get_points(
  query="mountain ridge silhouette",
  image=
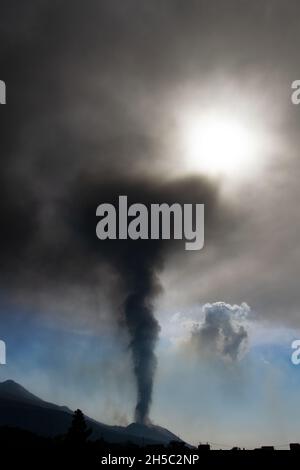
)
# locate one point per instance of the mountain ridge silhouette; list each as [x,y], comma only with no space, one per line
[20,408]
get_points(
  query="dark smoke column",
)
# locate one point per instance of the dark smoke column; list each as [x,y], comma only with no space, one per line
[143,330]
[137,263]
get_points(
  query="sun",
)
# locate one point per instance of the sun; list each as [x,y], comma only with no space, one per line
[218,145]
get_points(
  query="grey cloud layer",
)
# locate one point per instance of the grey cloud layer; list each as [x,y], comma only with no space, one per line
[94,89]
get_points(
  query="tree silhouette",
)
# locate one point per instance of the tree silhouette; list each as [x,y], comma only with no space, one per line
[78,432]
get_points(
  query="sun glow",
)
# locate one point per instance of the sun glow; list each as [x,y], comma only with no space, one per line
[219,145]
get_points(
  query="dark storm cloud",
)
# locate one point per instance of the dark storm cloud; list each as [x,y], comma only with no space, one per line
[73,140]
[88,89]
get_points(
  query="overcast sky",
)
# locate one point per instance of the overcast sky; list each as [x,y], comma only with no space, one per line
[100,96]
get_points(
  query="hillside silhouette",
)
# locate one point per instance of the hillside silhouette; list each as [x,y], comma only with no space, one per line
[21,409]
[34,431]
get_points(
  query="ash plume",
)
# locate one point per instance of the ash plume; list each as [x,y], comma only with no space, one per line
[143,329]
[137,262]
[71,142]
[223,331]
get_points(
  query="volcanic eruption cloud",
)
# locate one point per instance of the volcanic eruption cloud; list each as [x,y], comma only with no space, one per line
[71,142]
[143,329]
[138,263]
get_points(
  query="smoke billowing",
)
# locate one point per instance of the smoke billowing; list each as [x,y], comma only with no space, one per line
[143,329]
[77,131]
[138,263]
[223,332]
